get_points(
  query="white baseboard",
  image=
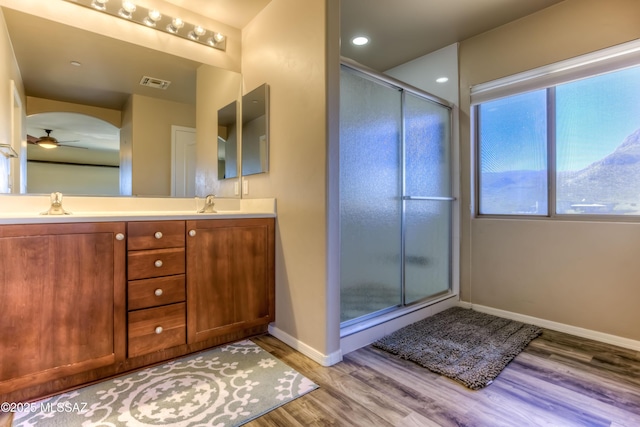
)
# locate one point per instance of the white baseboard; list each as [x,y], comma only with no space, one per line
[560,327]
[379,329]
[310,352]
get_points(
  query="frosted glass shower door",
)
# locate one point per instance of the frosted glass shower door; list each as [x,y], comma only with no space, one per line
[370,202]
[427,199]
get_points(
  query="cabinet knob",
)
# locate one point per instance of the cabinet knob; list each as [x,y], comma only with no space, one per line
[159,329]
[192,233]
[158,235]
[158,263]
[119,236]
[158,292]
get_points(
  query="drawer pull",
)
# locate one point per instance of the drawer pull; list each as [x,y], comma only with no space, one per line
[158,263]
[158,292]
[158,235]
[192,233]
[159,329]
[119,236]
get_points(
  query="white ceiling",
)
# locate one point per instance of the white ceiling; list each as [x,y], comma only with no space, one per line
[402,30]
[237,13]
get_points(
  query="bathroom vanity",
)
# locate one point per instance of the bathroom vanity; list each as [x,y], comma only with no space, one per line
[89,296]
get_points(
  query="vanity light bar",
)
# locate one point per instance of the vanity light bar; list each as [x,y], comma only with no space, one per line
[152,18]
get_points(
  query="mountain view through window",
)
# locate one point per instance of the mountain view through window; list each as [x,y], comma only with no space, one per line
[588,130]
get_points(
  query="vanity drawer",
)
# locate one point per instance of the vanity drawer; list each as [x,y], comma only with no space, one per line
[155,263]
[154,329]
[155,235]
[147,293]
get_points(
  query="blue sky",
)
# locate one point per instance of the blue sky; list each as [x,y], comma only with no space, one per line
[594,116]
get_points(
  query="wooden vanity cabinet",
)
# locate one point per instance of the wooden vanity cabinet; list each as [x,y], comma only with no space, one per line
[230,276]
[81,302]
[62,301]
[156,318]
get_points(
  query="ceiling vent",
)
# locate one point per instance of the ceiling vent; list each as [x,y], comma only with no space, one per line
[153,82]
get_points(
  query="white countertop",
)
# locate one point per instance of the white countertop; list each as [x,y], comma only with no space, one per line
[26,209]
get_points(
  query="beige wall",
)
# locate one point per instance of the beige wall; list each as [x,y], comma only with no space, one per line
[151,142]
[8,71]
[289,55]
[43,178]
[41,105]
[582,274]
[216,89]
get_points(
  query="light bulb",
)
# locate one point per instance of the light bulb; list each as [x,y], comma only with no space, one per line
[196,32]
[153,17]
[360,40]
[175,25]
[99,4]
[215,39]
[128,7]
[47,145]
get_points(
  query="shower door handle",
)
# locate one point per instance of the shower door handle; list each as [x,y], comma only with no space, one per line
[436,198]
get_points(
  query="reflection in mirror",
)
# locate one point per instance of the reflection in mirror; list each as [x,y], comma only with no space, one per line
[72,70]
[255,131]
[227,142]
[72,153]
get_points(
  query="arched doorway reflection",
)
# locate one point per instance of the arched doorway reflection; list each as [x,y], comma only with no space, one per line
[84,161]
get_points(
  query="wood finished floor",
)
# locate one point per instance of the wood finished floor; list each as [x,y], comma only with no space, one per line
[558,380]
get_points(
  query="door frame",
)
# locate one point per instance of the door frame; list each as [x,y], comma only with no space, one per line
[17,166]
[174,147]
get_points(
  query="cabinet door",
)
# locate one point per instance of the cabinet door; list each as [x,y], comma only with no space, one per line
[63,301]
[230,276]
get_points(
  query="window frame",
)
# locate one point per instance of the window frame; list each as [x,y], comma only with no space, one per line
[604,61]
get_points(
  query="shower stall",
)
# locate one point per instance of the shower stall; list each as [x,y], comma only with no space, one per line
[395,196]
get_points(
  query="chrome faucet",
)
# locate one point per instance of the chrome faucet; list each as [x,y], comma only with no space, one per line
[208,204]
[56,205]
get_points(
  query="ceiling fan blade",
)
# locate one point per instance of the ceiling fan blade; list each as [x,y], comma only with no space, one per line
[33,140]
[72,146]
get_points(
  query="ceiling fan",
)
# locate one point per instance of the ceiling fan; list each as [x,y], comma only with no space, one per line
[48,141]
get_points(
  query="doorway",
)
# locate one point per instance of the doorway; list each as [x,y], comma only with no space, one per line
[395,196]
[183,161]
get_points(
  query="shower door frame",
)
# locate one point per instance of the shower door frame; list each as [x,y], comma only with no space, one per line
[354,325]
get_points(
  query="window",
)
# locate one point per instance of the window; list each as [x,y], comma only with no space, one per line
[570,148]
[597,136]
[513,155]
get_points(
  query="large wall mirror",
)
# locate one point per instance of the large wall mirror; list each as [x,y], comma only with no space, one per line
[84,72]
[228,142]
[255,131]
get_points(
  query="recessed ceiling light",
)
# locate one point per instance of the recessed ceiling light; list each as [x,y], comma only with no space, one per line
[442,79]
[360,40]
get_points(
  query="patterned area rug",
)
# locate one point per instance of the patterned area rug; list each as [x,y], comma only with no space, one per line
[226,386]
[465,345]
